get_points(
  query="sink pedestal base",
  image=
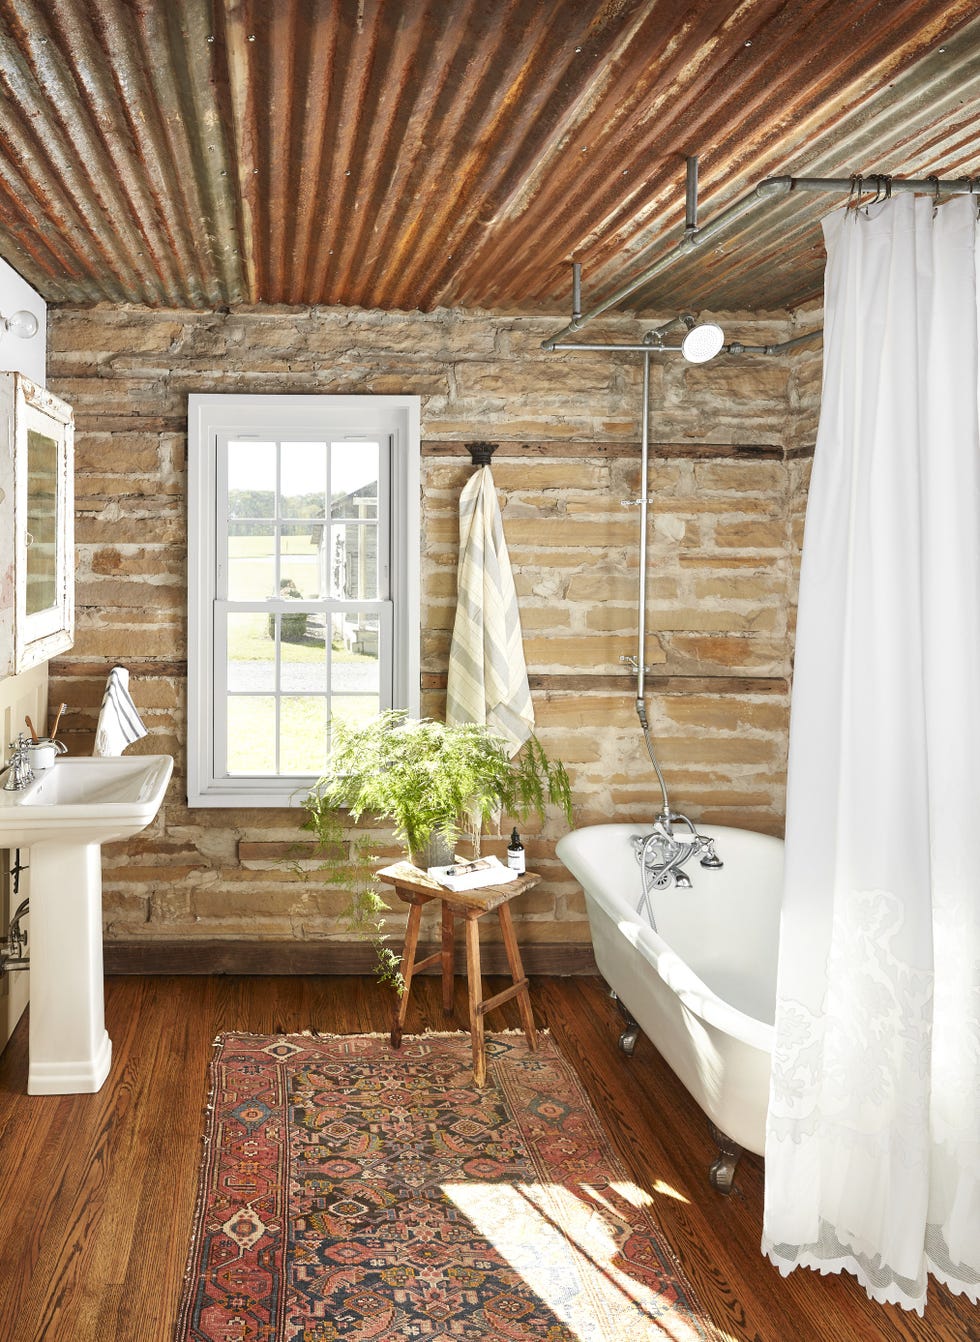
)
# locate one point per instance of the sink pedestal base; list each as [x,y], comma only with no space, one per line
[70,1051]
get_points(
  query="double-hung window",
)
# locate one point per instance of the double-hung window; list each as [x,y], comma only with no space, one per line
[303,584]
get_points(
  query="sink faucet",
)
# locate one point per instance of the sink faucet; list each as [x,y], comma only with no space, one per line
[18,766]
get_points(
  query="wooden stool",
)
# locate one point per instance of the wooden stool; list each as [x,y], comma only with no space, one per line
[415,888]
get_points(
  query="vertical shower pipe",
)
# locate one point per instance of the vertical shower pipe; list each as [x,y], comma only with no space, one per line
[644,503]
[641,708]
[639,662]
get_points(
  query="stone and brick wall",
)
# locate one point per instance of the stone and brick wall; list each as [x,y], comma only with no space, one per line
[729,444]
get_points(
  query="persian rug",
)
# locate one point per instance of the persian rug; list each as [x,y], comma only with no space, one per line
[352,1191]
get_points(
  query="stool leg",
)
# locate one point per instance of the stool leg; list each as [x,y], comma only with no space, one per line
[448,958]
[517,974]
[408,968]
[475,983]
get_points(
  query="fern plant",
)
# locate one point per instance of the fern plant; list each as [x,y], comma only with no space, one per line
[352,868]
[428,778]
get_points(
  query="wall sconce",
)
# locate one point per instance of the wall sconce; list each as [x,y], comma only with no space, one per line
[22,323]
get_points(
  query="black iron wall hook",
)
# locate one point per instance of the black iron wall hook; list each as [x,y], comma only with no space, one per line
[481,452]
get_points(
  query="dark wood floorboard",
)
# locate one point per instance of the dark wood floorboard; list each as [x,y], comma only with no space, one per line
[97,1191]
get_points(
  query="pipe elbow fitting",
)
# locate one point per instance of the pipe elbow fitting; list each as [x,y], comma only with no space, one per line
[774,186]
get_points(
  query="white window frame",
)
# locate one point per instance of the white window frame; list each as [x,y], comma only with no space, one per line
[217,416]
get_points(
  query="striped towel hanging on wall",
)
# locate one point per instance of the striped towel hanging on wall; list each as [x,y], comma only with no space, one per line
[487,672]
[119,722]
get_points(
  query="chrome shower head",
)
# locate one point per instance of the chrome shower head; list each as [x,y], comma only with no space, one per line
[703,340]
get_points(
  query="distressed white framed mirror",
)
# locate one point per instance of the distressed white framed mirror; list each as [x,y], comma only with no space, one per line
[37,574]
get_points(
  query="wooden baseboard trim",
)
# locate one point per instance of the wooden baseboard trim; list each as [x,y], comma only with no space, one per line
[554,959]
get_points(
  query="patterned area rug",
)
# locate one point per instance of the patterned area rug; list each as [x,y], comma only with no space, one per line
[349,1191]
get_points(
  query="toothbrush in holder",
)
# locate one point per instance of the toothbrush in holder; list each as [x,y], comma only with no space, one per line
[57,720]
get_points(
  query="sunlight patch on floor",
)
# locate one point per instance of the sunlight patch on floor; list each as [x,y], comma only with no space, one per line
[638,1197]
[666,1191]
[567,1250]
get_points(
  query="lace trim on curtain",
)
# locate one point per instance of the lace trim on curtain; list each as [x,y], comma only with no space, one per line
[829,1255]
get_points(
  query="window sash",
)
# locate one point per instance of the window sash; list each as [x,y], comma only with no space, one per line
[214,422]
[382,609]
[381,523]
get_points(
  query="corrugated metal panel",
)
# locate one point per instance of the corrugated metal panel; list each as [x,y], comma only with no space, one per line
[417,153]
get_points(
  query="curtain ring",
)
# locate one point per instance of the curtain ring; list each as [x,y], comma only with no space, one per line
[935,187]
[888,187]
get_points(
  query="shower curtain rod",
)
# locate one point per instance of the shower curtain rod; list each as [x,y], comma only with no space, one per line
[771,187]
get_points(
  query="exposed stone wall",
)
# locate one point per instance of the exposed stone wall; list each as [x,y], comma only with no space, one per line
[808,373]
[722,570]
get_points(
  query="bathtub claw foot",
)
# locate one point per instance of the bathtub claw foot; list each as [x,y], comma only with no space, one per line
[722,1172]
[627,1040]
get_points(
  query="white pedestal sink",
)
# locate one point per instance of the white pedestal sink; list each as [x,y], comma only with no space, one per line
[64,817]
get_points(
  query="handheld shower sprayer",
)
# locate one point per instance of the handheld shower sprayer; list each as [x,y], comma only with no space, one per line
[665,818]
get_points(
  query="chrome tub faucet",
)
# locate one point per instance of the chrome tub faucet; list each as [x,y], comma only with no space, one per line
[662,858]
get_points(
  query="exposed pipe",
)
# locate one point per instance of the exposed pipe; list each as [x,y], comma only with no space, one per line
[12,951]
[733,346]
[641,651]
[691,200]
[639,662]
[881,184]
[629,349]
[576,290]
[736,346]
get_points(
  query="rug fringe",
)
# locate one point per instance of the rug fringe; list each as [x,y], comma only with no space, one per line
[360,1034]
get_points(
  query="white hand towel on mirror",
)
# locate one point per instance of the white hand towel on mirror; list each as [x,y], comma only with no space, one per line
[119,723]
[487,672]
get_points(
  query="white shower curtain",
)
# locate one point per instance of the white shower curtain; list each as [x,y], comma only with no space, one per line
[873,1141]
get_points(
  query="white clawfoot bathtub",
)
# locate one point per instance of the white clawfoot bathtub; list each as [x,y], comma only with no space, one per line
[702,987]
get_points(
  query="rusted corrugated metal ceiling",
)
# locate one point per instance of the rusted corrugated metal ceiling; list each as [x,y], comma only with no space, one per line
[409,154]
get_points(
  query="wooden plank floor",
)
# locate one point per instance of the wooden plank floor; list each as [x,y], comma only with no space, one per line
[97,1191]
